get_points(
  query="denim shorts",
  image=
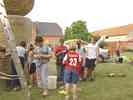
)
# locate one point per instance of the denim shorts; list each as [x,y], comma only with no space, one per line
[71,76]
[32,68]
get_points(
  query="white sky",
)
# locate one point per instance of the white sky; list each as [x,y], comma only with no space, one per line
[98,14]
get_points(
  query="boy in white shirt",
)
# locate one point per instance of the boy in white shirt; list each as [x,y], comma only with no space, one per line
[92,52]
[21,51]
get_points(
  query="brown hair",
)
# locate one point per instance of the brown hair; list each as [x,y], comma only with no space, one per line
[23,44]
[31,47]
[38,39]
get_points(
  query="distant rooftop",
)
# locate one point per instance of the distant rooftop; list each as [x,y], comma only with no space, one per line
[121,30]
[48,29]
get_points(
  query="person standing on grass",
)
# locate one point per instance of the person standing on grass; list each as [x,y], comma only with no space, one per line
[81,51]
[42,54]
[60,52]
[21,50]
[32,65]
[92,53]
[71,61]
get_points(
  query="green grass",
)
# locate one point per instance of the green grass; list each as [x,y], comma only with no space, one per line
[103,88]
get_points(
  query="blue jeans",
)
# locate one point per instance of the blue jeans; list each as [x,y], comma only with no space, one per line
[60,72]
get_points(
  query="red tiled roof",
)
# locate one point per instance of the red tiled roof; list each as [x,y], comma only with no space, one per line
[121,30]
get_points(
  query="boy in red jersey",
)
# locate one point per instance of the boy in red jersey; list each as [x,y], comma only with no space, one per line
[71,77]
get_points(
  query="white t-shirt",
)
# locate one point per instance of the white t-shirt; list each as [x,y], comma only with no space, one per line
[21,51]
[91,51]
[103,52]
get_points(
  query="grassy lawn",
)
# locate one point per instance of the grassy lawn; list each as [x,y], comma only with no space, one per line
[103,88]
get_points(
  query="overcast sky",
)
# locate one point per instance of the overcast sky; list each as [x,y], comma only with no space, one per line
[98,14]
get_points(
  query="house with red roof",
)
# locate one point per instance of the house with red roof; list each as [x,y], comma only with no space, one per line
[119,37]
[51,32]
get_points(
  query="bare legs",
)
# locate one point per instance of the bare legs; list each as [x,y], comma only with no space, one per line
[68,91]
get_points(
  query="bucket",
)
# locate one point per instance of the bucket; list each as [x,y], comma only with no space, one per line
[52,82]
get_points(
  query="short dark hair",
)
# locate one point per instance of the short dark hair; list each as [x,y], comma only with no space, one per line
[72,48]
[62,40]
[23,44]
[79,41]
[38,39]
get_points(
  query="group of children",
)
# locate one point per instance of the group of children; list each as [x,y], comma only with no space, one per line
[74,63]
[35,60]
[79,64]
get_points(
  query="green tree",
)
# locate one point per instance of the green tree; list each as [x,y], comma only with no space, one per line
[68,33]
[79,27]
[78,30]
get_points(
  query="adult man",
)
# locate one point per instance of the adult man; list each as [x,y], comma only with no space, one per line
[60,52]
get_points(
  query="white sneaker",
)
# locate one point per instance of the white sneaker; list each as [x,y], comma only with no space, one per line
[67,97]
[45,93]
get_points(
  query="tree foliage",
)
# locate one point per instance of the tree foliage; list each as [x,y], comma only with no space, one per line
[78,30]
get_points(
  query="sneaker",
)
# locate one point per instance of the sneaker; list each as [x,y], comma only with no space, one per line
[63,92]
[17,88]
[91,79]
[84,79]
[67,97]
[60,84]
[75,97]
[45,93]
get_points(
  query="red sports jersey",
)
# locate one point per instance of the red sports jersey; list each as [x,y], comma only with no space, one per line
[71,60]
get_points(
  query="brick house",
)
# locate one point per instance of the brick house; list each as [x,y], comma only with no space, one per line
[119,37]
[120,30]
[51,32]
